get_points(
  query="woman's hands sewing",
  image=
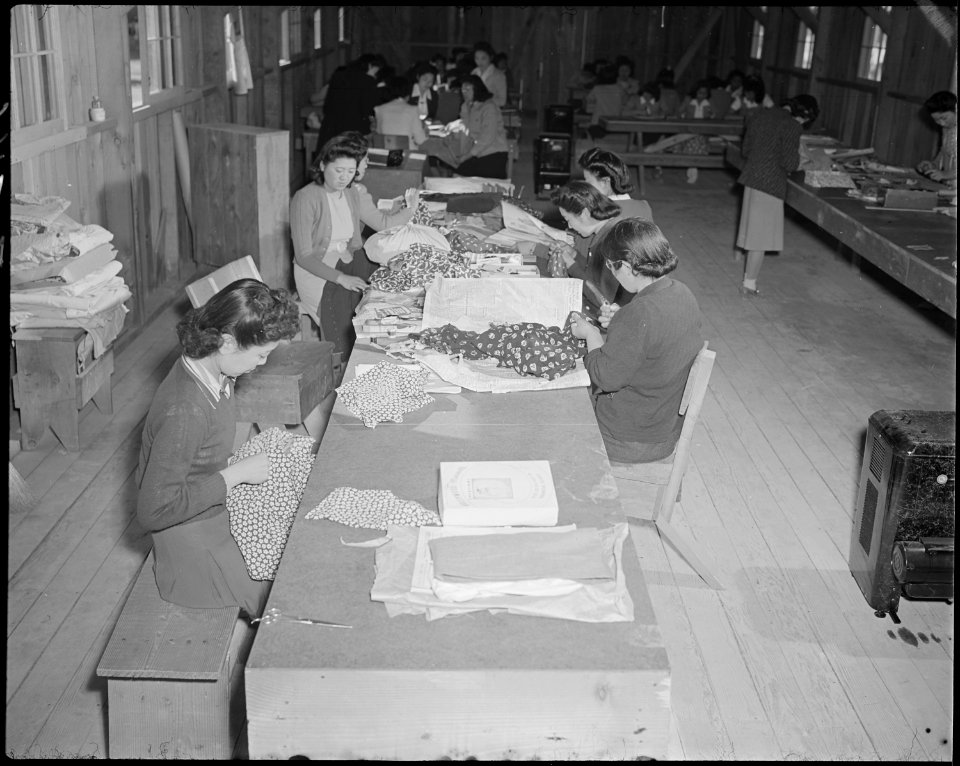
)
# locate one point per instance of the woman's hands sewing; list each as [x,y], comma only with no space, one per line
[412,197]
[562,257]
[251,470]
[356,284]
[581,327]
[607,310]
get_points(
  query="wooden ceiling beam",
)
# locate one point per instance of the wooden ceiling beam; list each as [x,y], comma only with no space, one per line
[758,14]
[699,40]
[806,16]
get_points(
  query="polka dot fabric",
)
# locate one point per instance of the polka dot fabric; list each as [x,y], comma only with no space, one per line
[372,509]
[261,514]
[415,268]
[385,392]
[529,348]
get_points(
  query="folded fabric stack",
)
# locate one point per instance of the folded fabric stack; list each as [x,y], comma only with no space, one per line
[561,572]
[415,269]
[62,273]
[529,348]
[388,316]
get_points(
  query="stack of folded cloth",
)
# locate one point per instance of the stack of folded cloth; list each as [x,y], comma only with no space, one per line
[62,273]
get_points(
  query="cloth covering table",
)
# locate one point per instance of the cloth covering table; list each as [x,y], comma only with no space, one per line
[492,686]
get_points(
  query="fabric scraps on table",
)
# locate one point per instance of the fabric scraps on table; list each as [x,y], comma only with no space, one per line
[261,514]
[372,509]
[529,348]
[416,268]
[385,392]
[462,243]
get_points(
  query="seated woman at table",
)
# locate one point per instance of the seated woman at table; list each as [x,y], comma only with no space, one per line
[480,147]
[492,76]
[589,213]
[639,370]
[942,108]
[606,173]
[422,94]
[182,476]
[754,95]
[696,107]
[395,117]
[645,104]
[325,229]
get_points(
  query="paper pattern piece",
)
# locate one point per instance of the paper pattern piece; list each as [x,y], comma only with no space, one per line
[485,376]
[475,304]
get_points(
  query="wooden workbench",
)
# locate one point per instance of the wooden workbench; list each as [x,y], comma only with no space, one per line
[884,237]
[490,686]
[635,127]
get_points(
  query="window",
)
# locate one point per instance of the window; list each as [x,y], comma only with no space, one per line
[230,55]
[317,30]
[873,48]
[36,73]
[290,37]
[157,70]
[342,24]
[803,58]
[756,41]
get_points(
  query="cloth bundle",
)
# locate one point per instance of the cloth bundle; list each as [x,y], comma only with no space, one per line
[462,243]
[372,509]
[415,269]
[261,514]
[529,348]
[385,392]
[385,245]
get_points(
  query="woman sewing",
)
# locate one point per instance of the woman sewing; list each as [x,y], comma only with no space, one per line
[639,370]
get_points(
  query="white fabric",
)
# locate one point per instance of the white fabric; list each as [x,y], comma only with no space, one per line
[384,245]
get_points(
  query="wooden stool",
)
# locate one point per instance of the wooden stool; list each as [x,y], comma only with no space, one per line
[56,377]
[296,379]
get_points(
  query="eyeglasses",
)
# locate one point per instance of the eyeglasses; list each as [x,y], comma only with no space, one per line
[612,265]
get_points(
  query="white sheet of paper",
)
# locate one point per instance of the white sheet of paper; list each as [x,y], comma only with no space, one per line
[473,304]
[484,376]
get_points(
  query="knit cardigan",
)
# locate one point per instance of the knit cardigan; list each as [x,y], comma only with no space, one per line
[311,228]
[771,148]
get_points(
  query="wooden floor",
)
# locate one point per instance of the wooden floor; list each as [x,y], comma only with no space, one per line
[788,662]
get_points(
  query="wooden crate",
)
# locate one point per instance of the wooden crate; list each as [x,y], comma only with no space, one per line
[56,377]
[240,185]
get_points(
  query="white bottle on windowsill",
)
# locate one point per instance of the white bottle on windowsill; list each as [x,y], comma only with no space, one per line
[97,112]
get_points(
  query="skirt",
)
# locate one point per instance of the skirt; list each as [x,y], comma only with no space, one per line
[761,221]
[488,166]
[331,306]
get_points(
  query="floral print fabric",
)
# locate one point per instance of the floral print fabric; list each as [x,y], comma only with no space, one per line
[372,509]
[385,392]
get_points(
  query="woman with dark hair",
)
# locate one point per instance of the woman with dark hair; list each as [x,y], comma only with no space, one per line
[182,475]
[771,150]
[395,117]
[625,79]
[351,97]
[589,213]
[754,95]
[422,94]
[606,173]
[640,369]
[478,147]
[942,108]
[493,78]
[325,229]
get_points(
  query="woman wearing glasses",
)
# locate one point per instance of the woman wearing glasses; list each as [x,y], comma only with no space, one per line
[640,369]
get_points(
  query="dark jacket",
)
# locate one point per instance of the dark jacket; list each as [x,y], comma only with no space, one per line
[771,148]
[433,103]
[349,104]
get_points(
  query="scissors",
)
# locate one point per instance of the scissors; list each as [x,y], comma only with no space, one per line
[273,615]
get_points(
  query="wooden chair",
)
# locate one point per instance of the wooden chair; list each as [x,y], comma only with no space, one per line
[296,380]
[666,476]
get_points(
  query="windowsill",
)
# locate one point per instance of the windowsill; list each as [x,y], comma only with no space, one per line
[867,86]
[71,135]
[167,102]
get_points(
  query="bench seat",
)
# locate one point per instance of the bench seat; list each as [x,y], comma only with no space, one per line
[174,677]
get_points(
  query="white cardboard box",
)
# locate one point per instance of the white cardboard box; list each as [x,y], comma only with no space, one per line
[497,494]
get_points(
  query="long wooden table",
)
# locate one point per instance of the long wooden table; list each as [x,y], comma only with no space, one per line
[886,238]
[635,127]
[492,686]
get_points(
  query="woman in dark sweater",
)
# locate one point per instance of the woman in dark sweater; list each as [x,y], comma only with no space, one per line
[771,148]
[183,476]
[640,370]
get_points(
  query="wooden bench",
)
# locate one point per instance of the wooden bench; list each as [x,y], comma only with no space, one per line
[174,677]
[639,160]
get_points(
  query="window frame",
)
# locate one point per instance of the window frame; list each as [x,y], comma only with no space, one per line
[342,30]
[804,44]
[21,135]
[291,36]
[863,69]
[318,29]
[758,26]
[174,62]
